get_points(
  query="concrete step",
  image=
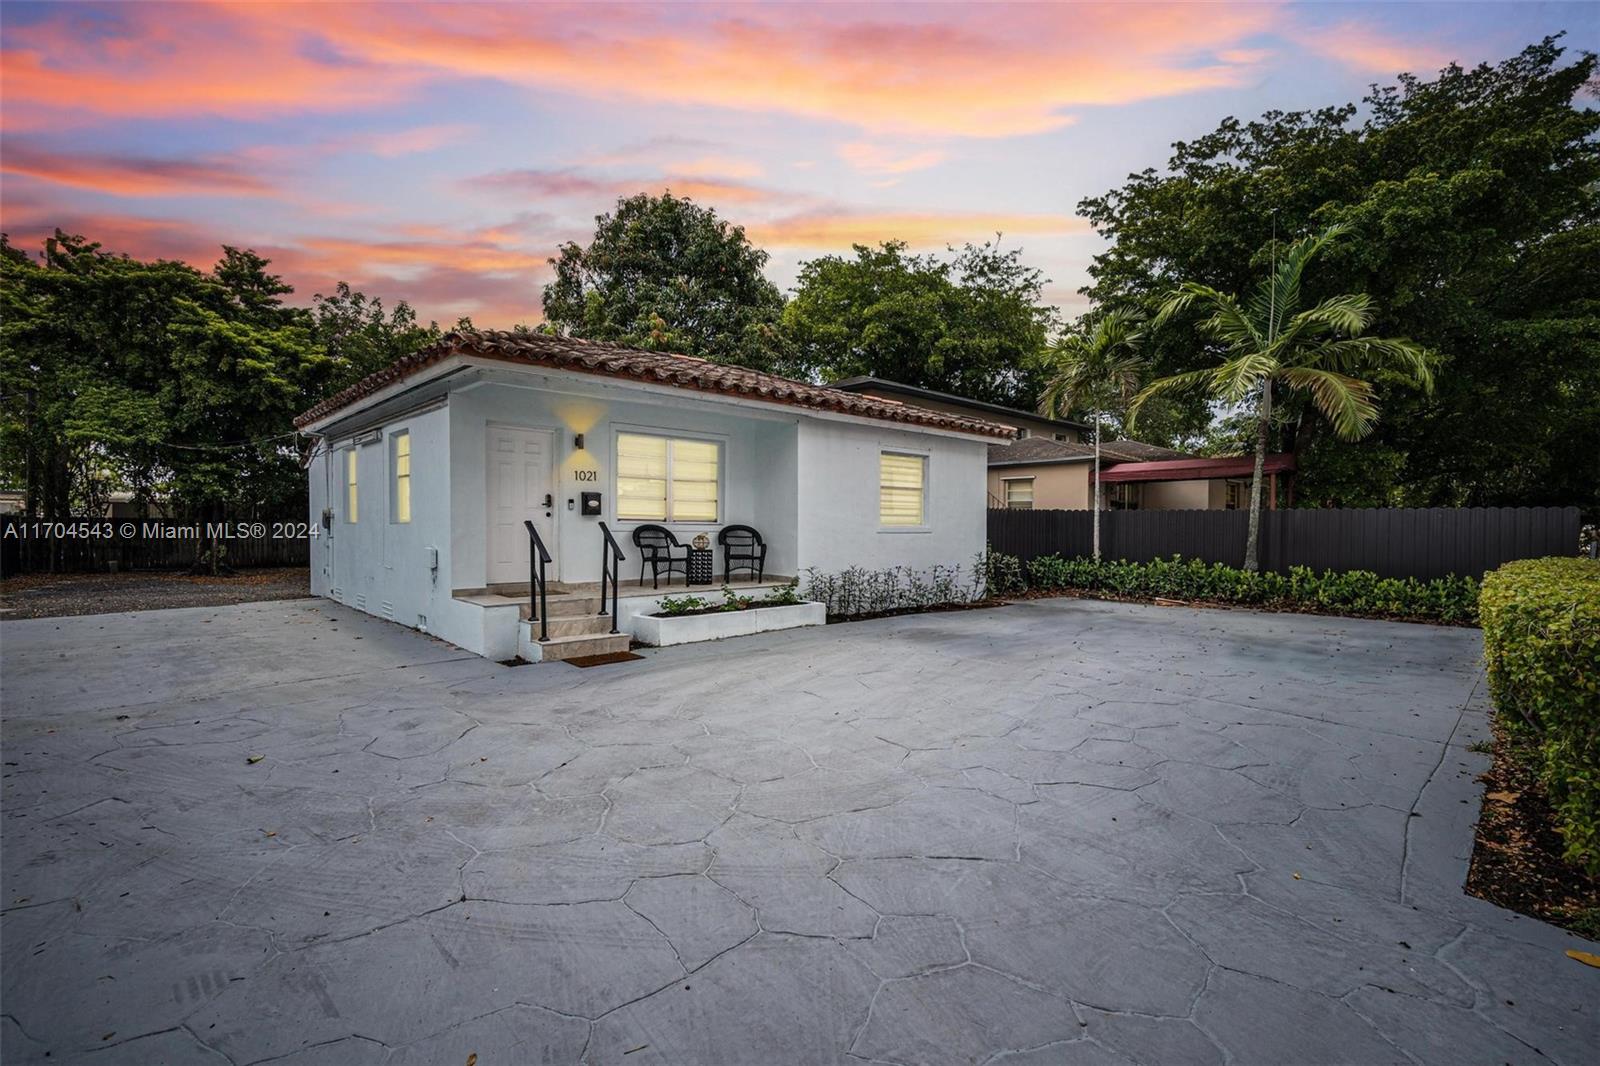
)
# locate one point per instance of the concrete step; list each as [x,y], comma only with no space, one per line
[557,648]
[566,606]
[576,625]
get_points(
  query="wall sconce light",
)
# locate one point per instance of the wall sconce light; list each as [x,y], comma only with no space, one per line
[577,442]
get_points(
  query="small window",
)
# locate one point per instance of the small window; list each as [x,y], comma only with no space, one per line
[1022,434]
[351,501]
[401,445]
[667,479]
[1019,493]
[902,487]
[1125,496]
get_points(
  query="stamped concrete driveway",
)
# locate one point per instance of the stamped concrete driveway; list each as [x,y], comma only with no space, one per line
[1056,832]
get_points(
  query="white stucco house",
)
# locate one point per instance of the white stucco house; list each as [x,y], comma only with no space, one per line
[423,474]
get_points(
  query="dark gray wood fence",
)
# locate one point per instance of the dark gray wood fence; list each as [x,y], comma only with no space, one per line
[78,545]
[1391,542]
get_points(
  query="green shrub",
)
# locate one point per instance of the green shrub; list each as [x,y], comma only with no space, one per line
[782,596]
[1541,639]
[671,605]
[1002,574]
[1357,592]
[855,592]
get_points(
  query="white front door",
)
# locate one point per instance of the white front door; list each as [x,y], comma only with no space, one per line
[519,487]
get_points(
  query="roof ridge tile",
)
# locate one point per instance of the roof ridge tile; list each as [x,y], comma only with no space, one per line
[615,360]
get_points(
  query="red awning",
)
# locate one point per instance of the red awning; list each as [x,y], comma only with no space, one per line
[1197,469]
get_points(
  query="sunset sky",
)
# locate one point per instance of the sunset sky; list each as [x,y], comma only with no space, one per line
[441,153]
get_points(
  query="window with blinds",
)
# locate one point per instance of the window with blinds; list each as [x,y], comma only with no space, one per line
[667,479]
[351,499]
[902,488]
[1019,493]
[402,475]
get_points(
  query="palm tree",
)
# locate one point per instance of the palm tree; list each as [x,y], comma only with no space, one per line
[1096,368]
[1272,341]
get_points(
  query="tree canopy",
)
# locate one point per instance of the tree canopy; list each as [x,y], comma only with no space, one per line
[360,339]
[664,273]
[973,324]
[1474,202]
[166,381]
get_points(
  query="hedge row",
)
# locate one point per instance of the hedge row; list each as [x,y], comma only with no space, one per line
[1357,592]
[1541,639]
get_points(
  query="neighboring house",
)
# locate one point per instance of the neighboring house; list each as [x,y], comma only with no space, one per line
[1134,476]
[424,473]
[1051,463]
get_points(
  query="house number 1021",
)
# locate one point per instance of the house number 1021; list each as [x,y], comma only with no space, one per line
[586,475]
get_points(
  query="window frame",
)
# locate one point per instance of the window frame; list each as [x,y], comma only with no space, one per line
[352,485]
[1005,491]
[395,437]
[670,436]
[926,458]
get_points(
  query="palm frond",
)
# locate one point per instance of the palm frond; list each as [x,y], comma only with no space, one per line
[1345,401]
[1278,295]
[1347,314]
[1238,378]
[1398,355]
[1089,361]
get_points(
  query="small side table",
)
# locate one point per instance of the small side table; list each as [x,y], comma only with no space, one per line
[700,566]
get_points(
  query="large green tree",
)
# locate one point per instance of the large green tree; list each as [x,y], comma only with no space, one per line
[150,376]
[663,272]
[1475,204]
[973,324]
[359,337]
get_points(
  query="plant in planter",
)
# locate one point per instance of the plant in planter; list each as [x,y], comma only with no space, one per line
[732,601]
[783,596]
[676,605]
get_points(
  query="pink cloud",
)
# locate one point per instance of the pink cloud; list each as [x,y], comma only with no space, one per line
[840,228]
[878,159]
[126,175]
[949,70]
[1370,50]
[411,141]
[572,183]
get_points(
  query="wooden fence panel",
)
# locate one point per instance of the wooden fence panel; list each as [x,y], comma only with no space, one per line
[24,550]
[1424,543]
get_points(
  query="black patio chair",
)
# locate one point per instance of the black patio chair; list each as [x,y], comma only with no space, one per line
[656,545]
[742,549]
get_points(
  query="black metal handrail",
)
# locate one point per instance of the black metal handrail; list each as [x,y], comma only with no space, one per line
[538,605]
[611,558]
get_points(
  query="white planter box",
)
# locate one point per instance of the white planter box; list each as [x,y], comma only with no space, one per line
[693,628]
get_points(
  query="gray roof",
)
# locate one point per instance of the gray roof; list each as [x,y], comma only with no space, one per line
[869,384]
[1032,451]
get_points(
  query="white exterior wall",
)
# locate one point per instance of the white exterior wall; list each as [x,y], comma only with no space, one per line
[376,564]
[838,519]
[757,474]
